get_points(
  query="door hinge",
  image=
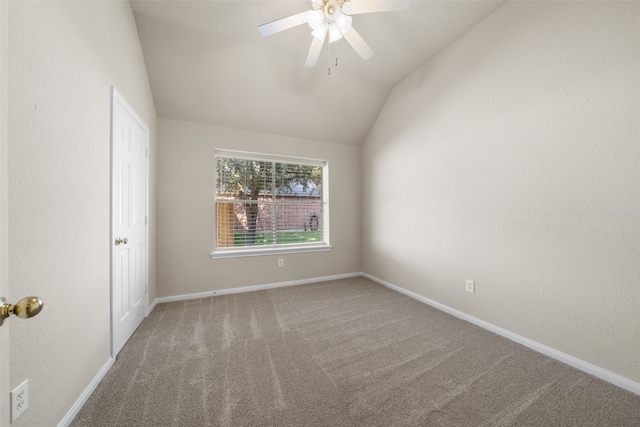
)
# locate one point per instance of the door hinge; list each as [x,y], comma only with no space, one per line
[146,289]
[146,152]
[146,220]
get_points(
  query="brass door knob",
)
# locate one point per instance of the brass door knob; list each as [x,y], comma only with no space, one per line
[125,240]
[25,308]
[119,240]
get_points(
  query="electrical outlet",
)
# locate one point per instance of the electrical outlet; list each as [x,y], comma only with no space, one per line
[280,262]
[19,400]
[471,286]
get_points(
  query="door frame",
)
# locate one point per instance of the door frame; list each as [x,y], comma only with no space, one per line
[116,98]
[4,211]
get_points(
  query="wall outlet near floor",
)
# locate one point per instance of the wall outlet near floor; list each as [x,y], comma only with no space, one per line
[19,400]
[470,286]
[280,262]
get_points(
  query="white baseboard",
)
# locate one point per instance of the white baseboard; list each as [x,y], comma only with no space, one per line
[251,288]
[71,414]
[151,307]
[587,367]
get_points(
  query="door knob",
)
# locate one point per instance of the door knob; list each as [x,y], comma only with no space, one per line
[25,308]
[125,240]
[119,240]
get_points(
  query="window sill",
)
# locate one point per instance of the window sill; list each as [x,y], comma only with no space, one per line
[280,250]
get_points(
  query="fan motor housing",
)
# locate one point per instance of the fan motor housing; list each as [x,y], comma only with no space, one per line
[331,8]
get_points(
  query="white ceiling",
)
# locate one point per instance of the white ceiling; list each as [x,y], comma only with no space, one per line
[208,63]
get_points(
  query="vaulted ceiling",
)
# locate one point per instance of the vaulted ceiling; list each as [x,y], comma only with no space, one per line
[208,63]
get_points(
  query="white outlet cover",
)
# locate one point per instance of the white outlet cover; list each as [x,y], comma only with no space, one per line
[470,286]
[19,400]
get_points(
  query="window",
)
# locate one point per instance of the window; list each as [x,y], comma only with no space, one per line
[269,204]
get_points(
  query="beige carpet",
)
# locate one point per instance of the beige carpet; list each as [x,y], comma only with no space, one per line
[340,353]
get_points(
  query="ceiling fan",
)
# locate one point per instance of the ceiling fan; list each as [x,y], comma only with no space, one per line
[332,17]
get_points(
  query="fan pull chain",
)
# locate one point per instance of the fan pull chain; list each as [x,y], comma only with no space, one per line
[329,58]
[329,53]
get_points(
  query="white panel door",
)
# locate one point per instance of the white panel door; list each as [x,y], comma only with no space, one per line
[129,228]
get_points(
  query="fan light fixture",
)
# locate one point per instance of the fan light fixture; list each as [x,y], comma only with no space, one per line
[329,18]
[332,17]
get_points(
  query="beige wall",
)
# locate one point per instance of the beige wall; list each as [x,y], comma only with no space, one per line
[64,57]
[518,149]
[186,227]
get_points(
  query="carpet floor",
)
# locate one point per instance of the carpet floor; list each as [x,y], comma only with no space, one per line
[340,353]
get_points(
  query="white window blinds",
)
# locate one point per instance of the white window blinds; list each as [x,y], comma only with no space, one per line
[265,201]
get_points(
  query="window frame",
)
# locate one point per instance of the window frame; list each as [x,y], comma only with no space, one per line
[278,248]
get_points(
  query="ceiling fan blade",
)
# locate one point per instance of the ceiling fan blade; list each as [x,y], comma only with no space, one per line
[357,42]
[354,7]
[314,52]
[283,24]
